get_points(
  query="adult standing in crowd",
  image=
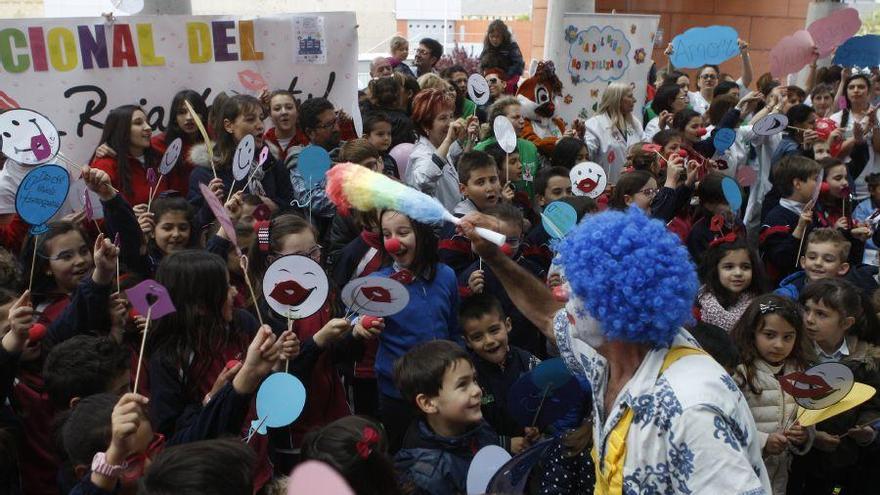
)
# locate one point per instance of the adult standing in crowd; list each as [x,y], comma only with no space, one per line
[427,55]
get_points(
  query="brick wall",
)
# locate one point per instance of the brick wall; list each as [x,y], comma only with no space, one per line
[760,22]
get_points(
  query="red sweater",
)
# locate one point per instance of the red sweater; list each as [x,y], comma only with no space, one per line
[158,143]
[177,180]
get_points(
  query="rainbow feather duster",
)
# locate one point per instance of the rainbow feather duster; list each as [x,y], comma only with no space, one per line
[354,186]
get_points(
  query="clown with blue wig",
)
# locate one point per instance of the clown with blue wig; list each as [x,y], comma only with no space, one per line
[666,417]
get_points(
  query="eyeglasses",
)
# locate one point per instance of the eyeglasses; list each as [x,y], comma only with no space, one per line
[313,253]
[649,191]
[493,80]
[68,255]
[708,76]
[328,125]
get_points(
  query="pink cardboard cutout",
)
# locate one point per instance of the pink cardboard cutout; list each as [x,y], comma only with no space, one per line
[830,32]
[791,54]
[317,477]
[221,214]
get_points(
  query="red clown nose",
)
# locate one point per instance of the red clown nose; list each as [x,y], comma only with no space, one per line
[37,332]
[232,363]
[701,131]
[370,321]
[392,245]
[507,250]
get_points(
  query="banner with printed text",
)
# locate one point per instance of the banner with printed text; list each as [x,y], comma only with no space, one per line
[76,70]
[600,49]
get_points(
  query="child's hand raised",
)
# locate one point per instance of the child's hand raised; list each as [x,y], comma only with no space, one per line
[796,434]
[216,187]
[862,435]
[477,281]
[369,327]
[227,374]
[105,150]
[234,206]
[261,356]
[290,346]
[147,222]
[126,419]
[105,254]
[21,318]
[98,182]
[118,316]
[508,193]
[334,330]
[776,444]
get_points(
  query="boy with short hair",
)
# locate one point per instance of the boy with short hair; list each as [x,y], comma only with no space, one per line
[438,378]
[499,365]
[551,184]
[825,256]
[377,132]
[480,279]
[786,223]
[478,183]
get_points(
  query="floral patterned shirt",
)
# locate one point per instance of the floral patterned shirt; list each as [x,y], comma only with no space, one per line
[692,430]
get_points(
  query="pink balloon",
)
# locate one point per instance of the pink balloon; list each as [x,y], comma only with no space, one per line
[316,477]
[791,54]
[401,153]
[830,32]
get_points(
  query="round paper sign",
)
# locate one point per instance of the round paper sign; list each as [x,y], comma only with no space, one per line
[478,89]
[588,179]
[820,386]
[295,286]
[243,157]
[504,133]
[375,296]
[169,159]
[28,137]
[770,125]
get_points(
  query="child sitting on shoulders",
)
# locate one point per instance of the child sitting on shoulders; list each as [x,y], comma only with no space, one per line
[438,378]
[498,366]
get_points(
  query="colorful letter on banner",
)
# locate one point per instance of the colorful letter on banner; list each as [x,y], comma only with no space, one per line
[59,66]
[599,49]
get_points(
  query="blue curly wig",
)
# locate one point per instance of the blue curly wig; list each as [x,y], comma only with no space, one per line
[634,276]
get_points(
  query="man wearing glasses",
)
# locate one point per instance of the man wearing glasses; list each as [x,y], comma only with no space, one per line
[427,55]
[497,84]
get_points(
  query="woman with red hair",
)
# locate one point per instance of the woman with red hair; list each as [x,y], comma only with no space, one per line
[430,168]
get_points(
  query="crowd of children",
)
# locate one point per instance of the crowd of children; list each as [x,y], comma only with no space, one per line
[401,404]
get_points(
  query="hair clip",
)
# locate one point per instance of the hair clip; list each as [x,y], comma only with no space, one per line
[725,239]
[769,307]
[262,229]
[364,446]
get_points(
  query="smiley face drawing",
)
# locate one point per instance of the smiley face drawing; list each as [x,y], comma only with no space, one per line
[478,89]
[588,179]
[169,159]
[820,386]
[295,286]
[243,157]
[375,296]
[28,137]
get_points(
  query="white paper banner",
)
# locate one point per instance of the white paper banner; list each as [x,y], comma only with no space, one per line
[75,70]
[600,49]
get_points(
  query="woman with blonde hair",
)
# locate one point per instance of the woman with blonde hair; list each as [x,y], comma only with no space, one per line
[613,129]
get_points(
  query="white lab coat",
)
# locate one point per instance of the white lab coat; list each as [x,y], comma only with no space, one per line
[607,146]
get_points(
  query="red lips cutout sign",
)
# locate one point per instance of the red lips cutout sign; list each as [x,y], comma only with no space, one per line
[377,296]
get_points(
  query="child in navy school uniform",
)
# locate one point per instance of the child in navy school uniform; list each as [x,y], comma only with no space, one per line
[499,365]
[477,279]
[788,222]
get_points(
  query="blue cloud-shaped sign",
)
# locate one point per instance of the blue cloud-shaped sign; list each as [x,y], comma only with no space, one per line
[859,51]
[704,45]
[598,54]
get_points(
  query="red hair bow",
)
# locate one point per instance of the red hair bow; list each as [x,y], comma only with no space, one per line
[725,239]
[364,446]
